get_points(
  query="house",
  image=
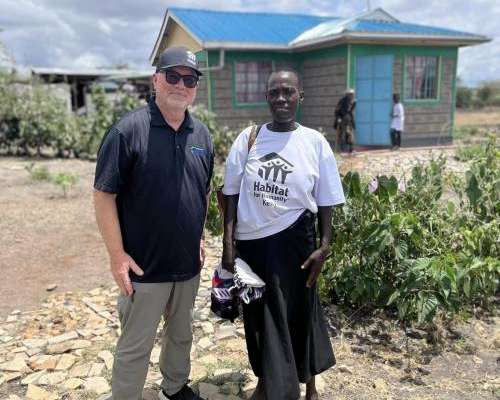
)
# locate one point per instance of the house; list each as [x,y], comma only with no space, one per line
[373,52]
[73,85]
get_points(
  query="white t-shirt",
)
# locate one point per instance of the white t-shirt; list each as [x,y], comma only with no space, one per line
[398,117]
[286,173]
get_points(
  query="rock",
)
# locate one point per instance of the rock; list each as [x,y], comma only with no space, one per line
[34,343]
[12,376]
[198,372]
[51,287]
[63,338]
[205,343]
[208,359]
[97,385]
[73,383]
[44,362]
[223,375]
[248,389]
[207,389]
[231,388]
[107,357]
[52,379]
[34,351]
[96,369]
[225,332]
[16,365]
[33,378]
[207,328]
[36,393]
[80,371]
[64,347]
[65,362]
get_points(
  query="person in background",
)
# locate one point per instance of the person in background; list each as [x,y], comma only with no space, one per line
[151,192]
[275,190]
[397,121]
[344,121]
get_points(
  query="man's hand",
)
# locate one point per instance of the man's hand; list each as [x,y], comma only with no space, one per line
[228,256]
[202,253]
[121,265]
[314,262]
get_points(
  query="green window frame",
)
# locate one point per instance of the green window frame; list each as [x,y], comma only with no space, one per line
[250,80]
[422,78]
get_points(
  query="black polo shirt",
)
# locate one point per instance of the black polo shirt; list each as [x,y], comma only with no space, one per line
[161,178]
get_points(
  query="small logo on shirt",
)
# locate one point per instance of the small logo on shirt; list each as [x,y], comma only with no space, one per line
[273,172]
[198,151]
[275,167]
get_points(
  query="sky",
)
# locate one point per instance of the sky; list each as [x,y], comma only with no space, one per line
[97,33]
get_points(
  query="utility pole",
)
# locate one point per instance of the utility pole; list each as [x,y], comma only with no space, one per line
[368,5]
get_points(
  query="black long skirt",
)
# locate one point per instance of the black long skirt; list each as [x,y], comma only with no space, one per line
[286,334]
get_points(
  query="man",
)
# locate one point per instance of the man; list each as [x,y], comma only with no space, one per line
[151,192]
[397,121]
[344,121]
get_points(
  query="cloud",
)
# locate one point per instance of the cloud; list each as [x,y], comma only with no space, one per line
[105,33]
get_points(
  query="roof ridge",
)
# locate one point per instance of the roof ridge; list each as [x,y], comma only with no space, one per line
[253,12]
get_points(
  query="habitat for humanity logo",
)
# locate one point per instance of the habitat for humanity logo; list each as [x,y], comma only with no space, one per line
[276,169]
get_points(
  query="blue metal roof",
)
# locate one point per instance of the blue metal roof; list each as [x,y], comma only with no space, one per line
[281,29]
[403,28]
[223,26]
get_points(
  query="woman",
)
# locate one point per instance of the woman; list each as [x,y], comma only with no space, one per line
[273,186]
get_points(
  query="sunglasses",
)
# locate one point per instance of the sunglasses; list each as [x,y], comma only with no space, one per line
[173,78]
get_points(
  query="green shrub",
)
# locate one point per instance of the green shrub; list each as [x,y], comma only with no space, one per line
[32,120]
[222,137]
[65,181]
[412,251]
[464,97]
[38,173]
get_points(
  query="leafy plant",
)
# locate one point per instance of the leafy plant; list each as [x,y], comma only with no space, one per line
[65,181]
[405,248]
[38,173]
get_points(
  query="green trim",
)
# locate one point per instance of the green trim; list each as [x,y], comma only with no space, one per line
[348,69]
[453,96]
[423,102]
[201,55]
[397,51]
[233,86]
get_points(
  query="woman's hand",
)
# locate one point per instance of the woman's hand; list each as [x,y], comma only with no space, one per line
[228,256]
[315,262]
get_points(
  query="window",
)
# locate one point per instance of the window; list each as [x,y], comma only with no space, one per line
[421,78]
[250,81]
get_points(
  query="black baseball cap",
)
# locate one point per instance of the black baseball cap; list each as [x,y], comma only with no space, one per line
[178,57]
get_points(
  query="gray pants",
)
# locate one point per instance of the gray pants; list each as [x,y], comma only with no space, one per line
[140,315]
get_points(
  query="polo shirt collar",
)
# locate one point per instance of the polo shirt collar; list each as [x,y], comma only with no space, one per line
[158,120]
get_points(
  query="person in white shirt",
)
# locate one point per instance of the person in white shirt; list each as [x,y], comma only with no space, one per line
[276,183]
[397,122]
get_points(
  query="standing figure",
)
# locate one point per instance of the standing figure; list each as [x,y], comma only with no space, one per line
[397,121]
[269,220]
[344,121]
[151,190]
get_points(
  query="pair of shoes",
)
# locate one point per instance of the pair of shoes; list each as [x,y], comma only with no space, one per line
[186,393]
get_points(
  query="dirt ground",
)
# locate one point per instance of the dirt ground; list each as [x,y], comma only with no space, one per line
[484,117]
[47,239]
